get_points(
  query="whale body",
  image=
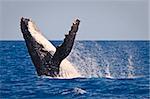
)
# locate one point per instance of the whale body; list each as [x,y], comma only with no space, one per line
[49,60]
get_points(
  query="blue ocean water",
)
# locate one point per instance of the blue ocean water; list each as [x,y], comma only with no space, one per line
[114,70]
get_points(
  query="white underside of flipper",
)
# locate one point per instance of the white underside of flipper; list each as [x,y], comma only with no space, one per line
[67,70]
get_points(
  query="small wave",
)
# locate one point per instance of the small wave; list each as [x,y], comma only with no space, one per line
[61,77]
[76,91]
[110,77]
[79,91]
[123,78]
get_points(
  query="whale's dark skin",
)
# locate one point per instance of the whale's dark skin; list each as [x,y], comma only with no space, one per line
[46,63]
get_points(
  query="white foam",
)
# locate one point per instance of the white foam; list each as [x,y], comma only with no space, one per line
[130,68]
[79,91]
[85,62]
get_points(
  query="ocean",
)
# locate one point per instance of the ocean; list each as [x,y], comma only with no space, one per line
[111,70]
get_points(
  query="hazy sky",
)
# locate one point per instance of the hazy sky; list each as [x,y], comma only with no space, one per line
[100,19]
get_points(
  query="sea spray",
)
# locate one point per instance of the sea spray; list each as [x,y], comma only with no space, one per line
[112,61]
[130,68]
[84,60]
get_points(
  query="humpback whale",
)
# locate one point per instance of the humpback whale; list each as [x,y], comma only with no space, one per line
[49,60]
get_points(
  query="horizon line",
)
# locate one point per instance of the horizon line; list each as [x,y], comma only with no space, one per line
[88,40]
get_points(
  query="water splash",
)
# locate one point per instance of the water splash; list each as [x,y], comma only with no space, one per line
[130,67]
[85,61]
[107,72]
[95,59]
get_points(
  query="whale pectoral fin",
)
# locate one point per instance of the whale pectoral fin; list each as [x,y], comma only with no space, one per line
[63,51]
[40,56]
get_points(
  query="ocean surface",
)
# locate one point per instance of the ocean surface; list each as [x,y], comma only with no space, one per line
[111,70]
